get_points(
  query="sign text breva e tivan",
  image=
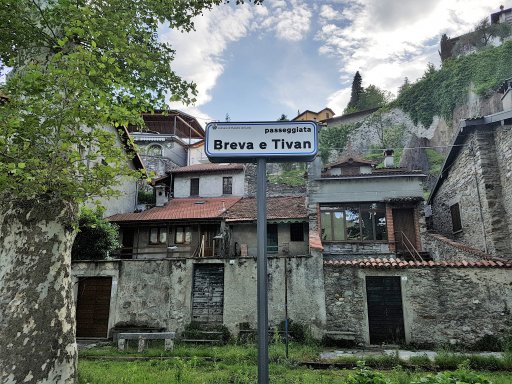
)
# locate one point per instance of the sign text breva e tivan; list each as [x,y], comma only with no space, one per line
[273,140]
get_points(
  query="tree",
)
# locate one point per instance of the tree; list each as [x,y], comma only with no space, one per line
[333,140]
[372,97]
[79,67]
[446,47]
[96,239]
[405,86]
[283,118]
[355,94]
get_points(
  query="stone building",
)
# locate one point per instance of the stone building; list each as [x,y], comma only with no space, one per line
[472,199]
[356,210]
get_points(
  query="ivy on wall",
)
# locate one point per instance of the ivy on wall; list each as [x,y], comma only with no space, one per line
[438,92]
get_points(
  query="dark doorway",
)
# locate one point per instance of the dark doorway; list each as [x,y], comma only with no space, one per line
[127,246]
[207,239]
[272,238]
[385,313]
[405,230]
[93,306]
[208,294]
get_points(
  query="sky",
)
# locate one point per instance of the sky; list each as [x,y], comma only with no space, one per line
[257,62]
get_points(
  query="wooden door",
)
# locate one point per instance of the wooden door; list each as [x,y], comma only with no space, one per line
[127,246]
[93,306]
[385,312]
[208,294]
[405,230]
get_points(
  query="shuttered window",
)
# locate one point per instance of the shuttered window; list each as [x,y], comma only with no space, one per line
[194,187]
[455,213]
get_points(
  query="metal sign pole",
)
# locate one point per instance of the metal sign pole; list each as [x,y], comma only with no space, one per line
[262,302]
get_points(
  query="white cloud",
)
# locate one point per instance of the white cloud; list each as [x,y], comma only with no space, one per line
[390,39]
[290,20]
[329,13]
[199,53]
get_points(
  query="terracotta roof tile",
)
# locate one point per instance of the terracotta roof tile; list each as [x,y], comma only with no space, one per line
[180,209]
[314,241]
[284,207]
[386,263]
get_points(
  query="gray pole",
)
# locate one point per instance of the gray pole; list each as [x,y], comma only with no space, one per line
[261,200]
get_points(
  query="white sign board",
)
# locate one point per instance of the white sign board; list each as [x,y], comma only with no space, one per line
[275,141]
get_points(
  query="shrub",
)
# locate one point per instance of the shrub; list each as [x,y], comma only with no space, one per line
[365,375]
[461,376]
[146,197]
[296,331]
[96,237]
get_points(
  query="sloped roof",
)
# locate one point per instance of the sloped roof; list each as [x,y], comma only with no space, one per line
[181,209]
[392,263]
[283,207]
[208,167]
[349,160]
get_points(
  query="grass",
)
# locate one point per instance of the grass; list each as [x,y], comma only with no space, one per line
[237,364]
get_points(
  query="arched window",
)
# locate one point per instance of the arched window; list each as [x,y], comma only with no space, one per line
[154,150]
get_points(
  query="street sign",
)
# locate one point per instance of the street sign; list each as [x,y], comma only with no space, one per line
[276,141]
[263,142]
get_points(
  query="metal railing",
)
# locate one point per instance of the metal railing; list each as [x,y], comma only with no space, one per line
[410,248]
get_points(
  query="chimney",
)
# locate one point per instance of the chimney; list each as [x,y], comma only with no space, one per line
[161,197]
[389,160]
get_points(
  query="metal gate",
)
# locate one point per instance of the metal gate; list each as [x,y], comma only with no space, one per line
[93,306]
[385,312]
[208,294]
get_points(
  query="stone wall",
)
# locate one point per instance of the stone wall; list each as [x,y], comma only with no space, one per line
[441,305]
[273,189]
[477,180]
[503,138]
[442,248]
[158,293]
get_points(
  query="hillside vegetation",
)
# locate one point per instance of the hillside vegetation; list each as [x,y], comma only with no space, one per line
[438,92]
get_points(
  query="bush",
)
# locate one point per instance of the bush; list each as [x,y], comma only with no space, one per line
[96,237]
[365,375]
[198,331]
[296,331]
[146,197]
[461,376]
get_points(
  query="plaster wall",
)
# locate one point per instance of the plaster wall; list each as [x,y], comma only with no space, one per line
[158,293]
[210,185]
[437,307]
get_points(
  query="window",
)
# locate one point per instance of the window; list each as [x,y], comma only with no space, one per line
[154,150]
[183,235]
[296,232]
[158,235]
[456,222]
[227,185]
[194,187]
[354,222]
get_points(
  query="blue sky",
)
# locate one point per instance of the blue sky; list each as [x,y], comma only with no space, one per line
[258,62]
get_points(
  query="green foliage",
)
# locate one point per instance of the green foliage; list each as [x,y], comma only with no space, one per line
[80,67]
[293,177]
[297,331]
[96,237]
[461,376]
[199,331]
[438,92]
[365,375]
[435,161]
[334,139]
[146,197]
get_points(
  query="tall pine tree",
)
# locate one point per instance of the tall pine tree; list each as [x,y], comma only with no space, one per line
[355,95]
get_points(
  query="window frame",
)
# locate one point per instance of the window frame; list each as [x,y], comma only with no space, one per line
[342,210]
[159,232]
[186,231]
[456,218]
[226,191]
[192,186]
[153,146]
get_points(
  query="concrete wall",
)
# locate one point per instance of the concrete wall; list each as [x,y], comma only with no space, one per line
[247,234]
[479,181]
[210,184]
[197,155]
[441,305]
[158,293]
